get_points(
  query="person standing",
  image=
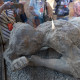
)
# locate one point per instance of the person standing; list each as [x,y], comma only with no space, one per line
[62,9]
[37,9]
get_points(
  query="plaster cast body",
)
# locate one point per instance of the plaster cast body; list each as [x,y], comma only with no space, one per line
[63,36]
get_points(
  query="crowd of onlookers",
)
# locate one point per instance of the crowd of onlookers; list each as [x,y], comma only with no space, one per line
[38,9]
[39,12]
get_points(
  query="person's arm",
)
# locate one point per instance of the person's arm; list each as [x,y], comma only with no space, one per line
[32,11]
[31,8]
[1,9]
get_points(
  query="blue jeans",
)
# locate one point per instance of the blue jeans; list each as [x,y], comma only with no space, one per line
[40,19]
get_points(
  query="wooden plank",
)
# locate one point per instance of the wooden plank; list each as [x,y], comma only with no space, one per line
[3,75]
[0,64]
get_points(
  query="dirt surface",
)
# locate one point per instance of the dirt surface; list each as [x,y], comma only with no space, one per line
[39,73]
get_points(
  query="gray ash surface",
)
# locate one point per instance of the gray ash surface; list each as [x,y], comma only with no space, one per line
[39,73]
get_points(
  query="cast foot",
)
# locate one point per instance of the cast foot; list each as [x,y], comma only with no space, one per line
[19,63]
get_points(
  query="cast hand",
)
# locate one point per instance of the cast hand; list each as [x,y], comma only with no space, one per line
[19,63]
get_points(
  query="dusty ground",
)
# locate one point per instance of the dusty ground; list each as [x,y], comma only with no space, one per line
[39,73]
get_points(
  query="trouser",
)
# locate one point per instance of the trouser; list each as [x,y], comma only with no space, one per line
[38,20]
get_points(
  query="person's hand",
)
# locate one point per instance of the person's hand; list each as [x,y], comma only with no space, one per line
[35,14]
[22,2]
[7,5]
[31,8]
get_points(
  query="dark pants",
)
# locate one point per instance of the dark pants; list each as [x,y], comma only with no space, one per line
[23,17]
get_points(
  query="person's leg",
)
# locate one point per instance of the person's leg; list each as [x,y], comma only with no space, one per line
[41,20]
[34,19]
[34,24]
[37,20]
[55,64]
[23,17]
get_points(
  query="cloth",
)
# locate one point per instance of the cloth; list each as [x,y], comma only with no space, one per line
[4,24]
[76,8]
[38,6]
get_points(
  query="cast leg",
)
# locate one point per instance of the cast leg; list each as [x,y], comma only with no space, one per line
[60,65]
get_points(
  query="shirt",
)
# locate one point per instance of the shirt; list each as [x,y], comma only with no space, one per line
[38,7]
[3,26]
